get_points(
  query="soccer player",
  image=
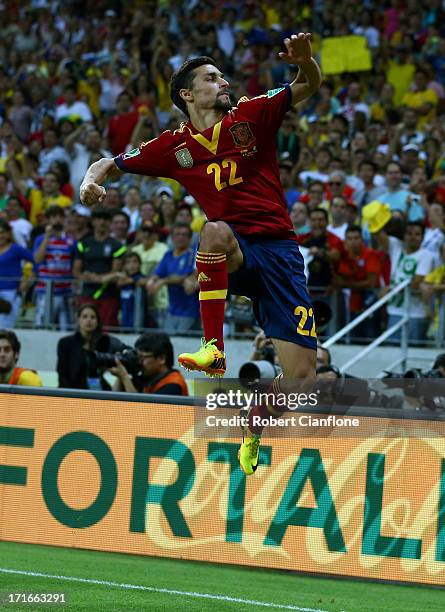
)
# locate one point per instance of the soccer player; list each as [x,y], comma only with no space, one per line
[226,158]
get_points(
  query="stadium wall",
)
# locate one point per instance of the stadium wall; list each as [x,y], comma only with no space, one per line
[143,478]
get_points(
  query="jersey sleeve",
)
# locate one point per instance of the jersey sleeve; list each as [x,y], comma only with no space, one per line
[269,109]
[150,158]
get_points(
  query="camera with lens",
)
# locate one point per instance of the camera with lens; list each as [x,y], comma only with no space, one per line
[128,356]
[343,391]
[257,375]
[428,387]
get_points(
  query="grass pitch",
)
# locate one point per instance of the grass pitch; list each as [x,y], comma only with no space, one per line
[109,581]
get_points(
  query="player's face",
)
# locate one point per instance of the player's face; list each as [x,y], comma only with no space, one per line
[209,89]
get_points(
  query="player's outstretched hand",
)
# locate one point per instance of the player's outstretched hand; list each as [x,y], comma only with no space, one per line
[92,193]
[298,48]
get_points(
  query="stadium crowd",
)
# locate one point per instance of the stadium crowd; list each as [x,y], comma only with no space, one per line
[362,163]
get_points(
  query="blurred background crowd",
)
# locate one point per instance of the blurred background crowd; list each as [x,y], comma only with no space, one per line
[362,163]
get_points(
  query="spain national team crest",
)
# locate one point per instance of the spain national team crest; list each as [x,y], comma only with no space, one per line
[184,158]
[242,134]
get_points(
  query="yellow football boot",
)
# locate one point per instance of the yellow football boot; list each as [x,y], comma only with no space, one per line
[208,359]
[248,454]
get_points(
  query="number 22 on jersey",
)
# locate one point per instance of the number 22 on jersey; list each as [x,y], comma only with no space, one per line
[216,170]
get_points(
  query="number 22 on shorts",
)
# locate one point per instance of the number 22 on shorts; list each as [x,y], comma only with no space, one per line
[305,314]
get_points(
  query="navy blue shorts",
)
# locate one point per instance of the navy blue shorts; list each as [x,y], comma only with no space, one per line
[272,276]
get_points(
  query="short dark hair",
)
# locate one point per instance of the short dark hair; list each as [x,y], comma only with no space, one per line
[9,336]
[123,93]
[182,226]
[54,174]
[121,213]
[320,210]
[316,182]
[183,78]
[132,255]
[54,211]
[325,149]
[184,207]
[101,213]
[354,228]
[342,119]
[415,224]
[439,363]
[157,343]
[368,162]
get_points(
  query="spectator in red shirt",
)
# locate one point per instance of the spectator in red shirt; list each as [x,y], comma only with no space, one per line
[121,125]
[358,271]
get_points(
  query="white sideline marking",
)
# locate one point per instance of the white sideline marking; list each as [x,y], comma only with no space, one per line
[139,587]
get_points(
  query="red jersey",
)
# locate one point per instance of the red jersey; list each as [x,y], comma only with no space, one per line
[230,168]
[357,269]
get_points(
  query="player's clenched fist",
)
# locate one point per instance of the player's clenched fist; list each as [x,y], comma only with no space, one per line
[92,194]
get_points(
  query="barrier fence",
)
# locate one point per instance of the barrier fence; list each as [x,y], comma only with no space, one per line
[146,477]
[40,306]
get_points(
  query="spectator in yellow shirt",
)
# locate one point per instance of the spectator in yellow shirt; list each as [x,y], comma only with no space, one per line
[400,72]
[9,355]
[423,100]
[49,195]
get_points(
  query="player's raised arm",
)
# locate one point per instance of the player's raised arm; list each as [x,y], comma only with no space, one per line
[299,52]
[91,189]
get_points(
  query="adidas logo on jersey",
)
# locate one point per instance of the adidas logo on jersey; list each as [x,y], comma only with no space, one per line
[203,278]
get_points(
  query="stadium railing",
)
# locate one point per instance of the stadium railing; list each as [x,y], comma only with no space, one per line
[239,315]
[402,325]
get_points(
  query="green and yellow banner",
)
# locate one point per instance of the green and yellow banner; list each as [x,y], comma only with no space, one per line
[137,478]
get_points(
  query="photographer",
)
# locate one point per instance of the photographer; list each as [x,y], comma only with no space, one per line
[9,355]
[76,360]
[155,355]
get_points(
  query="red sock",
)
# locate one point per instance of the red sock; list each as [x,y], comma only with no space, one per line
[265,411]
[213,282]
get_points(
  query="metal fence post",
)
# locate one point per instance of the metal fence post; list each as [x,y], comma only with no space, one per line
[139,302]
[405,327]
[441,318]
